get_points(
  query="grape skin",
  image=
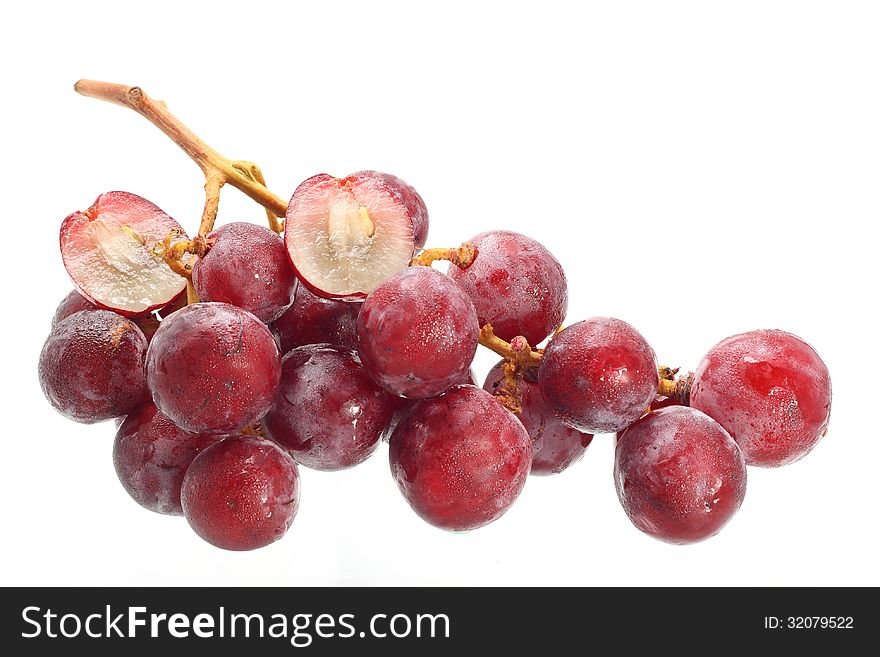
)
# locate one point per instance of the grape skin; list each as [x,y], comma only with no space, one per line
[516,285]
[91,367]
[555,446]
[328,413]
[599,375]
[72,303]
[417,333]
[213,368]
[314,320]
[460,459]
[679,475]
[151,455]
[241,493]
[770,390]
[247,266]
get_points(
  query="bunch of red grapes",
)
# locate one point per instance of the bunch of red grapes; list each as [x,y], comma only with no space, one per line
[309,350]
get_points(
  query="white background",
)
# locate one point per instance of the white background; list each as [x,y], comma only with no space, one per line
[699,168]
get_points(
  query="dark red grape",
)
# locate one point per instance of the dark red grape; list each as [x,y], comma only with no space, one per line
[213,368]
[92,366]
[770,390]
[404,405]
[599,375]
[417,333]
[460,459]
[241,493]
[328,412]
[679,475]
[151,454]
[516,285]
[315,320]
[412,201]
[248,267]
[72,303]
[554,445]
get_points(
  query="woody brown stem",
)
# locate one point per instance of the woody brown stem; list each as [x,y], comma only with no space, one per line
[217,169]
[517,349]
[462,256]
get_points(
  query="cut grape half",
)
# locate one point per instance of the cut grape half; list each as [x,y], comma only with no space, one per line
[345,236]
[108,252]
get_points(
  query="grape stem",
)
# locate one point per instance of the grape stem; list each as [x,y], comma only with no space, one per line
[462,256]
[678,388]
[244,176]
[519,356]
[517,350]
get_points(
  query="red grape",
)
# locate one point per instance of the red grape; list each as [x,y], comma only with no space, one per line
[72,303]
[241,493]
[108,252]
[770,390]
[347,235]
[151,454]
[248,267]
[599,375]
[213,368]
[328,412]
[679,475]
[460,459]
[516,285]
[315,320]
[404,405]
[92,366]
[554,445]
[412,201]
[417,333]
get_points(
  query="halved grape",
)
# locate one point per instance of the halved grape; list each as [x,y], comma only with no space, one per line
[108,252]
[345,236]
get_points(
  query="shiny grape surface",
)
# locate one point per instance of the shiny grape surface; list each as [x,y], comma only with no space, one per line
[241,493]
[417,333]
[599,375]
[679,475]
[72,303]
[315,320]
[151,455]
[91,367]
[770,390]
[555,446]
[247,266]
[213,368]
[516,285]
[460,459]
[328,413]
